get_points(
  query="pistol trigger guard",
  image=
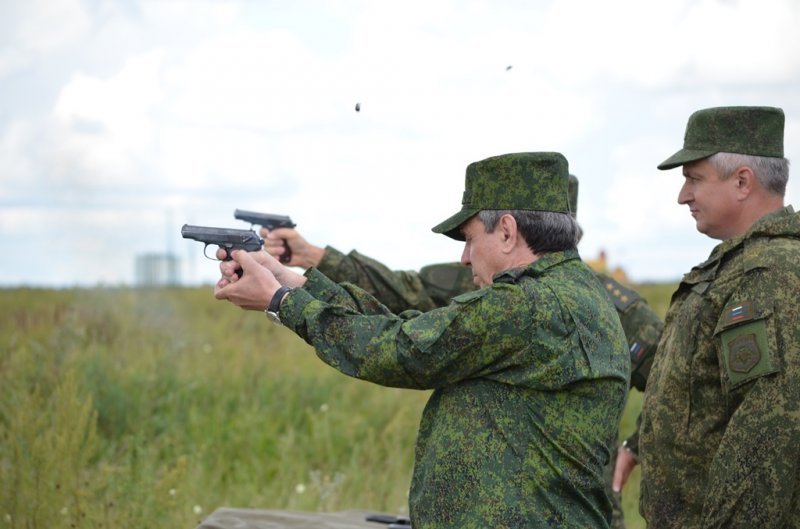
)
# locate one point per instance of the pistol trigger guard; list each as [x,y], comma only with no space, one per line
[214,258]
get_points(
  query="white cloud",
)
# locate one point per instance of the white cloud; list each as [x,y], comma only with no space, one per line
[143,110]
[46,25]
[121,105]
[266,82]
[10,60]
[18,168]
[658,44]
[747,41]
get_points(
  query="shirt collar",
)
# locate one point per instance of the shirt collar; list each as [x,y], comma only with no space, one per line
[536,268]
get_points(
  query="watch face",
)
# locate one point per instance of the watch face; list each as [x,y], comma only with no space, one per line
[273,317]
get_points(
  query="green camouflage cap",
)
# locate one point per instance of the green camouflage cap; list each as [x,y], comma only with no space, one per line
[743,130]
[533,181]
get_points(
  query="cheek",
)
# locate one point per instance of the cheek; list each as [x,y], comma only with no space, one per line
[727,209]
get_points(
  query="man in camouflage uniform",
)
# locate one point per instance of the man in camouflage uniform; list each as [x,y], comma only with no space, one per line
[435,286]
[720,424]
[529,373]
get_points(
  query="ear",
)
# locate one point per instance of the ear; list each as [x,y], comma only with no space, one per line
[745,181]
[507,229]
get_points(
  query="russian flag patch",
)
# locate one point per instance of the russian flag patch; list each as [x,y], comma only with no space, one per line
[737,313]
[636,350]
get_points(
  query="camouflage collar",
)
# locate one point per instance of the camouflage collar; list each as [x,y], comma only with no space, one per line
[781,223]
[537,268]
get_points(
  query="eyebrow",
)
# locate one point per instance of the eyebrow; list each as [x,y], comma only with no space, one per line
[691,173]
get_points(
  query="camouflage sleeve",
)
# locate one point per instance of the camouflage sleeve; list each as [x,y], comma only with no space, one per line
[399,291]
[641,324]
[752,480]
[434,285]
[476,335]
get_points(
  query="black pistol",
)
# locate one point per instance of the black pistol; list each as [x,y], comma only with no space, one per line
[228,238]
[271,222]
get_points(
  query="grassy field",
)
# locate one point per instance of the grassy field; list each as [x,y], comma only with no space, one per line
[151,408]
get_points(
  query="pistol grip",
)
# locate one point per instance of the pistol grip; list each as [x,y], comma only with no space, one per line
[229,257]
[287,253]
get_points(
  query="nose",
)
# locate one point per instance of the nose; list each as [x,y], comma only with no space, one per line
[465,256]
[684,195]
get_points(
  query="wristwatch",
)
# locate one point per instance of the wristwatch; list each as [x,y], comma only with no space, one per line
[275,305]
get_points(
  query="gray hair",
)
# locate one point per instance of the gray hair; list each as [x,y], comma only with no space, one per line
[772,173]
[543,231]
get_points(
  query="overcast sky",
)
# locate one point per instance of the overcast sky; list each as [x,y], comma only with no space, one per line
[121,120]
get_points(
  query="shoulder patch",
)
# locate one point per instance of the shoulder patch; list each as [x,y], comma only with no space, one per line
[622,296]
[745,352]
[744,338]
[736,314]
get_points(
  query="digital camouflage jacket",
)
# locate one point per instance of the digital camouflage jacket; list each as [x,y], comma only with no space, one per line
[721,417]
[435,285]
[529,378]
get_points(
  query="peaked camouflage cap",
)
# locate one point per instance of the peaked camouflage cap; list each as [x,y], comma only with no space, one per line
[533,181]
[756,131]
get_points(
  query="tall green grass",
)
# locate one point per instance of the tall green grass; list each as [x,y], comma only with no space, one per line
[151,408]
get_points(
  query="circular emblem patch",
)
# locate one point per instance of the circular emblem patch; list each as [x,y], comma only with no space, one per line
[744,353]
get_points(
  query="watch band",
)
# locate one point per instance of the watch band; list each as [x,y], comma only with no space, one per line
[275,303]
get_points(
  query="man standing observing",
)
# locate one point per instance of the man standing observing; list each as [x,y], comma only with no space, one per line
[529,373]
[721,417]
